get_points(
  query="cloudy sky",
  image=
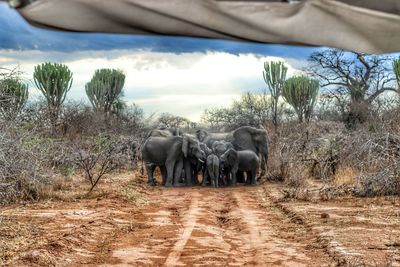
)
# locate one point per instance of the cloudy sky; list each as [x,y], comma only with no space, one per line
[178,75]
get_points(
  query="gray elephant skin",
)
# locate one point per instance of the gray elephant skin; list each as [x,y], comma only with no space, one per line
[245,161]
[243,138]
[220,147]
[192,165]
[164,132]
[212,171]
[168,153]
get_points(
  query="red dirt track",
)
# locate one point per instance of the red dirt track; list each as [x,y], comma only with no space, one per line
[237,226]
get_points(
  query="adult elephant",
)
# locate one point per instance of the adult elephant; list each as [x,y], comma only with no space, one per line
[243,138]
[168,152]
[209,138]
[193,166]
[164,132]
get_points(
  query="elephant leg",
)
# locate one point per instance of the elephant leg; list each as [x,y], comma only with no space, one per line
[170,164]
[224,181]
[263,166]
[216,177]
[178,172]
[205,177]
[150,171]
[188,173]
[253,176]
[240,177]
[163,171]
[233,174]
[227,178]
[247,179]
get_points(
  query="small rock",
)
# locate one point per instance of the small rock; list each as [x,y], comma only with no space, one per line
[69,225]
[324,215]
[35,253]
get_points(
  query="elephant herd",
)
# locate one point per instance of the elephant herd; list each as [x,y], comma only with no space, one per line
[222,158]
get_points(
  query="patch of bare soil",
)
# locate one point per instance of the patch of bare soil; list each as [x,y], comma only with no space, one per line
[354,231]
[240,226]
[213,227]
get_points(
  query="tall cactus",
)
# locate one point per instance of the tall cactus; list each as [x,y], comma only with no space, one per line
[396,69]
[54,81]
[105,89]
[301,93]
[118,106]
[13,97]
[274,76]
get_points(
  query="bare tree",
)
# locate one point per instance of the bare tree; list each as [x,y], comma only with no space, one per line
[353,79]
[97,158]
[251,109]
[172,121]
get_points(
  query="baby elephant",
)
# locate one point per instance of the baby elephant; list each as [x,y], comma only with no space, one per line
[245,161]
[211,170]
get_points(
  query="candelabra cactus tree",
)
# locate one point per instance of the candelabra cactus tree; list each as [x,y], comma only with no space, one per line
[13,97]
[105,89]
[301,93]
[274,76]
[54,81]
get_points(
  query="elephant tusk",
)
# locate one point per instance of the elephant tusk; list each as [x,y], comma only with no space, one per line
[202,161]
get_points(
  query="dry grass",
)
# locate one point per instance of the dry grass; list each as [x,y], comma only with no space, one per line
[17,236]
[346,176]
[134,196]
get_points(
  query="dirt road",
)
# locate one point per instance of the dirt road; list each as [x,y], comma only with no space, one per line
[178,227]
[215,227]
[130,224]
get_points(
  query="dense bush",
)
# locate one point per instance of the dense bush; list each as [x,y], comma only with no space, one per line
[322,149]
[22,157]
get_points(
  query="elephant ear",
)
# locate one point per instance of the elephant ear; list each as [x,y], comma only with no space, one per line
[185,145]
[243,138]
[232,157]
[201,134]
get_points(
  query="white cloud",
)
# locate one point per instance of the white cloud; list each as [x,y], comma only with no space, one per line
[183,84]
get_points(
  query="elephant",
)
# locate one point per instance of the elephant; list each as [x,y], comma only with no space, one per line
[209,138]
[243,138]
[212,171]
[220,147]
[192,165]
[164,132]
[245,161]
[169,152]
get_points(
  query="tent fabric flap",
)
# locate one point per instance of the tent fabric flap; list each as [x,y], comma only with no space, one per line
[314,22]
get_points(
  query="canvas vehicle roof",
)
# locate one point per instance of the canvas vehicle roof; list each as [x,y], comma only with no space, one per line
[369,26]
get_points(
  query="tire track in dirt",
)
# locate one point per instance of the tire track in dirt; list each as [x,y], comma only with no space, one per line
[189,224]
[211,227]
